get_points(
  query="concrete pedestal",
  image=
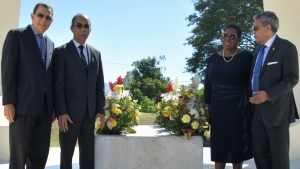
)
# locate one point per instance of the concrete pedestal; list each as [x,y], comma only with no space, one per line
[4,130]
[150,148]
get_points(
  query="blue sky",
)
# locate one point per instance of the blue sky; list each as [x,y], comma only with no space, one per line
[126,31]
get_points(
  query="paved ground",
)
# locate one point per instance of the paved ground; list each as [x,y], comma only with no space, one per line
[53,161]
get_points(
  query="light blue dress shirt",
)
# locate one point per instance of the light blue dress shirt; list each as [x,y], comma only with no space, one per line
[84,50]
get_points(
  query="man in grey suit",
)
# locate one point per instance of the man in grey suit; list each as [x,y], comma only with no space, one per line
[27,90]
[275,73]
[78,94]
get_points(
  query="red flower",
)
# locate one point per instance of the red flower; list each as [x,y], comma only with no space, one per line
[202,132]
[180,97]
[111,86]
[119,80]
[183,105]
[169,87]
[166,115]
[193,133]
[186,131]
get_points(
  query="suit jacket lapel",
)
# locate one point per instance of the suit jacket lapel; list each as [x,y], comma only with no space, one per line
[270,54]
[49,52]
[89,53]
[90,57]
[32,41]
[71,46]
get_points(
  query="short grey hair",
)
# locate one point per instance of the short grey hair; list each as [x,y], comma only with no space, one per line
[268,17]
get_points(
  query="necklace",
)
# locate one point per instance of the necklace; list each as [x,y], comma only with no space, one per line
[232,55]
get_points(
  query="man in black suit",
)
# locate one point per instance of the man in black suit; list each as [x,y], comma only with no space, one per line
[27,90]
[78,94]
[275,73]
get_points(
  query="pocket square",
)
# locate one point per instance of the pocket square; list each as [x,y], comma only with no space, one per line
[272,63]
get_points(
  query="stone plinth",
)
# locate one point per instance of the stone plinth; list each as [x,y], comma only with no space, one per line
[4,129]
[150,148]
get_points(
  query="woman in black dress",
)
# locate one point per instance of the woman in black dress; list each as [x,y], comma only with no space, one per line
[226,98]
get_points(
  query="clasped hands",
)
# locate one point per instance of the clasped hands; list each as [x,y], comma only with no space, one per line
[63,121]
[260,97]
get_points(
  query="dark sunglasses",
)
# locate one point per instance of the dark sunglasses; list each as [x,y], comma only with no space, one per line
[48,18]
[79,26]
[255,28]
[232,36]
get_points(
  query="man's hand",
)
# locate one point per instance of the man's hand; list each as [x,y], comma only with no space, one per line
[102,120]
[53,116]
[9,112]
[63,122]
[260,97]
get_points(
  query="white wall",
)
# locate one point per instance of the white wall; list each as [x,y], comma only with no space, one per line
[9,15]
[289,20]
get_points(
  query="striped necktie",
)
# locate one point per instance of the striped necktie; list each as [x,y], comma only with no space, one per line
[257,69]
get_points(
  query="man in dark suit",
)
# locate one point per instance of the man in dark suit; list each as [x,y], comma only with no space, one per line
[27,90]
[78,94]
[275,73]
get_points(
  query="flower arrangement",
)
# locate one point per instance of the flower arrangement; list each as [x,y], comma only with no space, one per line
[121,111]
[179,112]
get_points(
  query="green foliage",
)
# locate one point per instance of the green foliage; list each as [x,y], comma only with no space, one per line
[147,77]
[148,105]
[199,97]
[211,18]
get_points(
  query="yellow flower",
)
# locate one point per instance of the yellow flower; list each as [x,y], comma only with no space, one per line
[136,111]
[190,95]
[135,101]
[168,108]
[129,98]
[107,114]
[97,125]
[114,105]
[113,123]
[137,119]
[119,88]
[195,125]
[186,118]
[116,111]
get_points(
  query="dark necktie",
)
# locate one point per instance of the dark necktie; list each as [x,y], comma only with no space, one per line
[257,69]
[82,57]
[43,48]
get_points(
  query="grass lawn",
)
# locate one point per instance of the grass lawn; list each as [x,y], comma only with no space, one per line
[145,119]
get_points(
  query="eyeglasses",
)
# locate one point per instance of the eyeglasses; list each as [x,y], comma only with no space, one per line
[255,28]
[232,36]
[48,18]
[79,26]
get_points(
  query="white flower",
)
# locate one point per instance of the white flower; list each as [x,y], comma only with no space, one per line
[109,125]
[190,104]
[195,83]
[170,96]
[175,86]
[194,112]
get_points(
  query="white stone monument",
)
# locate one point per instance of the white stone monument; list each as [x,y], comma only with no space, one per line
[150,148]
